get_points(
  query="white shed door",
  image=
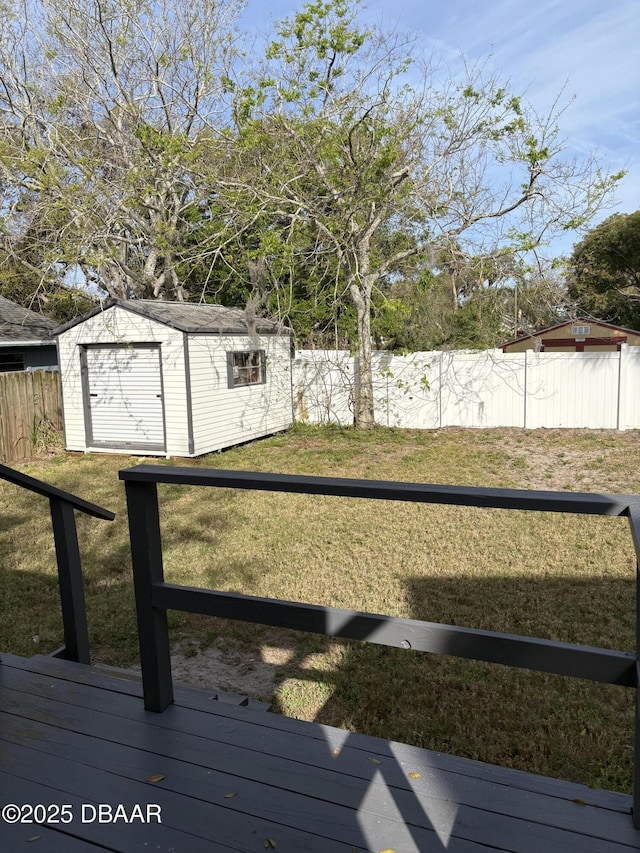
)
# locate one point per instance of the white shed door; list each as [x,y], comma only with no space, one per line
[124,397]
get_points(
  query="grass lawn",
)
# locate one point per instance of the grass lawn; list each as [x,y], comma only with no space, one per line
[570,578]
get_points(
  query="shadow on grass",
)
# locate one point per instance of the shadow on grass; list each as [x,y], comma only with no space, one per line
[552,725]
[9,521]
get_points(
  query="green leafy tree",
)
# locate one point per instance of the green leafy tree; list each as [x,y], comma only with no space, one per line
[26,280]
[106,110]
[277,267]
[432,323]
[332,135]
[604,270]
[492,310]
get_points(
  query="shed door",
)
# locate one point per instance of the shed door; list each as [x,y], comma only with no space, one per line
[123,397]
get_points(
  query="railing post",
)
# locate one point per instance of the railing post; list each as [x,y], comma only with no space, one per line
[635,807]
[146,558]
[74,614]
[634,522]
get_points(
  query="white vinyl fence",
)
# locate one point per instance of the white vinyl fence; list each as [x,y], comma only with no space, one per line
[599,390]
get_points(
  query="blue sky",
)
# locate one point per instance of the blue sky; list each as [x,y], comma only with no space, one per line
[592,47]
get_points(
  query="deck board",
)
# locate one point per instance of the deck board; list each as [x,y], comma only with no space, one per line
[71,734]
[518,779]
[125,681]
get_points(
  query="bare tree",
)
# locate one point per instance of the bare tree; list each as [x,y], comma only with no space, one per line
[338,139]
[106,110]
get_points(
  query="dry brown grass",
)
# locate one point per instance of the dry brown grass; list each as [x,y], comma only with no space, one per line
[562,577]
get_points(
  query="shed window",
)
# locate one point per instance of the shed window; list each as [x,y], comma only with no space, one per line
[246,368]
[581,330]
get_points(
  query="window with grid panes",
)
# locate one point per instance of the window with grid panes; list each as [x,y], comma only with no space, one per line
[248,367]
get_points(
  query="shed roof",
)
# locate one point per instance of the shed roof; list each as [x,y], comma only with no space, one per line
[201,318]
[21,326]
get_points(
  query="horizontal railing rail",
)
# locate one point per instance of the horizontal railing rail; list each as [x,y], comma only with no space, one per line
[594,664]
[65,535]
[521,499]
[154,596]
[31,484]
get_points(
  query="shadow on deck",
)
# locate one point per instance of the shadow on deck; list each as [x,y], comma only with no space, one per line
[208,775]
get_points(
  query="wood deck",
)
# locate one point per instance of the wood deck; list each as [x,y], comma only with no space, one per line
[225,777]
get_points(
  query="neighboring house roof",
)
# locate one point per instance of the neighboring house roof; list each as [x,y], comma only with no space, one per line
[20,326]
[578,321]
[201,318]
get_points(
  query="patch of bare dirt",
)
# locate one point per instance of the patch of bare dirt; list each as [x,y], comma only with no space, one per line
[577,460]
[232,668]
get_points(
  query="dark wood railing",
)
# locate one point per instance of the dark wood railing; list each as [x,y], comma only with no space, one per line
[62,505]
[154,597]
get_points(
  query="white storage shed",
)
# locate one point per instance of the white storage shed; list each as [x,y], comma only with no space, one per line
[149,377]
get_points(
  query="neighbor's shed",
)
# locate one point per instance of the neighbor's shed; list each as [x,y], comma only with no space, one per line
[26,339]
[580,335]
[172,378]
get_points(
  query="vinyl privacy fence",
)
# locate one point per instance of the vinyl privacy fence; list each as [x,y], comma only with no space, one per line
[30,413]
[597,390]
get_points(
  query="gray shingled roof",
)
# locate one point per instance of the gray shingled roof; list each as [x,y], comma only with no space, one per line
[21,324]
[189,317]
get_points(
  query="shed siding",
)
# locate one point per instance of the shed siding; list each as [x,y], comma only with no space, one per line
[118,326]
[224,416]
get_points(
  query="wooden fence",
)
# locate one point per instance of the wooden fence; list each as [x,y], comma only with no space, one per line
[30,413]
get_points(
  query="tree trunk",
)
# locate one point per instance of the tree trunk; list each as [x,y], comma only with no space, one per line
[364,416]
[454,292]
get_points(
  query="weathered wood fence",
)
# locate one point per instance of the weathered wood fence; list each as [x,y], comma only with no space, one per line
[30,413]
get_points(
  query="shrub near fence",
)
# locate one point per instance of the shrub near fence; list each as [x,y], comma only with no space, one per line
[30,413]
[590,390]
